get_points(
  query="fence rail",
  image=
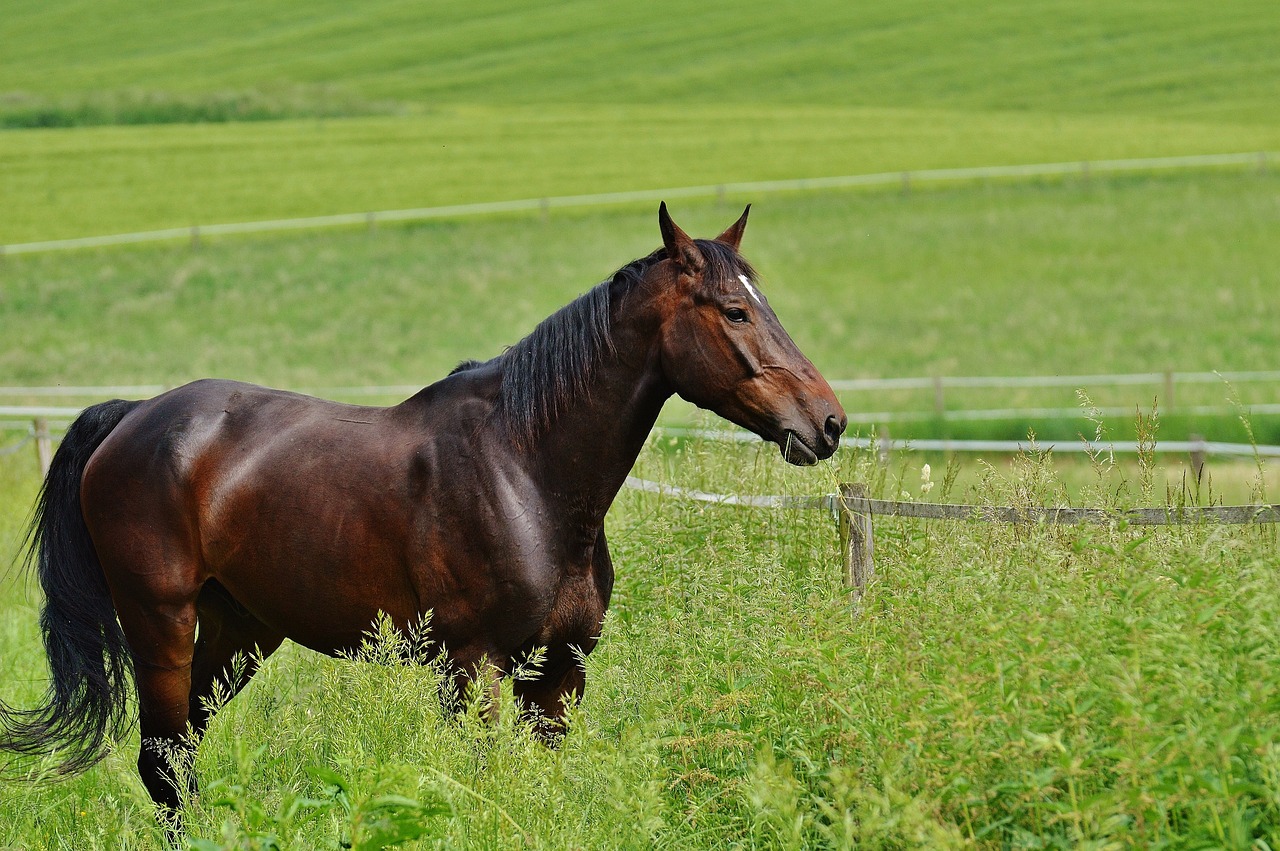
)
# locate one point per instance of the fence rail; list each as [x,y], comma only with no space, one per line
[1085,168]
[849,384]
[1096,380]
[854,511]
[40,416]
[22,415]
[1124,447]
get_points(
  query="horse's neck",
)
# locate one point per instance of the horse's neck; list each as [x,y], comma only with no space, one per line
[587,452]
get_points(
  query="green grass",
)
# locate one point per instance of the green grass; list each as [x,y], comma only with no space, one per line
[1178,59]
[84,181]
[507,101]
[1114,275]
[997,687]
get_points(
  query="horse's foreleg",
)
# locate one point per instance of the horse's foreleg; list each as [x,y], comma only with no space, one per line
[226,630]
[546,699]
[476,681]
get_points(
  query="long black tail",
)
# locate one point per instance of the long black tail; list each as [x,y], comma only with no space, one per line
[90,667]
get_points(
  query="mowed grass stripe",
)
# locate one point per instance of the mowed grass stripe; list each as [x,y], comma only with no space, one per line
[86,181]
[1176,58]
[1260,161]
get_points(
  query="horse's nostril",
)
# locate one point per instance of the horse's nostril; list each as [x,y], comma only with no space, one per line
[834,428]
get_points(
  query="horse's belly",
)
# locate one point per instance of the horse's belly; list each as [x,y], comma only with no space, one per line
[321,583]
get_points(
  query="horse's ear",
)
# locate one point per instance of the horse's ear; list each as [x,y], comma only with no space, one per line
[680,246]
[733,235]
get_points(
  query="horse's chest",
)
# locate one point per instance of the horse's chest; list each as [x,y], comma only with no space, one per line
[576,612]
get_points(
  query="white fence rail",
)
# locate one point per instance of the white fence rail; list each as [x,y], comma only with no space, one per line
[1168,381]
[1259,159]
[854,512]
[1122,447]
[1011,381]
[37,419]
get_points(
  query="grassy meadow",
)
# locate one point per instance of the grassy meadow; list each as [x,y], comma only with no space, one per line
[1178,59]
[1041,687]
[1118,274]
[1035,688]
[407,104]
[997,687]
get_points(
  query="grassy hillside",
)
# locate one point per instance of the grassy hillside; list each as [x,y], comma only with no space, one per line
[1183,59]
[61,183]
[506,100]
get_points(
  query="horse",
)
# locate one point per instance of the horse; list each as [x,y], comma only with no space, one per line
[176,535]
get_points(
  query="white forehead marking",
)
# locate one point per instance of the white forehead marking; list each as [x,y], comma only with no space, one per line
[750,288]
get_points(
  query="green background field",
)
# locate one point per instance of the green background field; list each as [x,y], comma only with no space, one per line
[508,101]
[1138,274]
[1031,687]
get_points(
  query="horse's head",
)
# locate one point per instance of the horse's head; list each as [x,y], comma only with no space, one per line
[724,349]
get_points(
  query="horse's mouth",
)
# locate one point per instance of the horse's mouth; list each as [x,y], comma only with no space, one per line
[795,450]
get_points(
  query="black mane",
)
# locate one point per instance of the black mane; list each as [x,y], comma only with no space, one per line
[549,370]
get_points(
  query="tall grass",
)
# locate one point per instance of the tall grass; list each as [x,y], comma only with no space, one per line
[997,686]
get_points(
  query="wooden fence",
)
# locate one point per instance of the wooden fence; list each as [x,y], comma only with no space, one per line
[854,512]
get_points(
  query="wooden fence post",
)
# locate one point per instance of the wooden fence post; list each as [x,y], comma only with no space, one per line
[884,444]
[44,445]
[1198,453]
[856,540]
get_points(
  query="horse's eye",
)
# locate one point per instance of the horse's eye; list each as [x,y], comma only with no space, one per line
[736,314]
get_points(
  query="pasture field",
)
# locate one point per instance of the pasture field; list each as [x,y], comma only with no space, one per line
[1035,687]
[1178,59]
[1119,274]
[997,687]
[513,101]
[98,180]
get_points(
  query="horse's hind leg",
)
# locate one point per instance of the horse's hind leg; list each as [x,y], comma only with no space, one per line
[226,630]
[160,624]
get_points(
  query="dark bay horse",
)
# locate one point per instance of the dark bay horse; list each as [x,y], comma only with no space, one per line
[220,518]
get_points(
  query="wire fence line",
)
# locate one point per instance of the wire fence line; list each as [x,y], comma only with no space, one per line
[1166,516]
[854,512]
[979,414]
[851,384]
[1259,159]
[19,416]
[15,447]
[1017,381]
[1124,447]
